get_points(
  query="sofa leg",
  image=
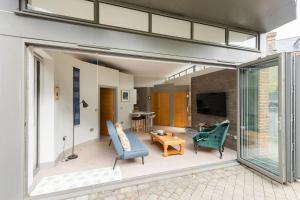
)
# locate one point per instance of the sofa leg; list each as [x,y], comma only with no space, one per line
[109,142]
[115,163]
[223,148]
[143,160]
[220,150]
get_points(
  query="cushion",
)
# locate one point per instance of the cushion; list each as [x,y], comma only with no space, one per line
[138,149]
[123,138]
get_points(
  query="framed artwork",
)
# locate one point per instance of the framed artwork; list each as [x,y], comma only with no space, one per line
[125,95]
[56,92]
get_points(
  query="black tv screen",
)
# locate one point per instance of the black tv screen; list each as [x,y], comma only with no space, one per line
[212,104]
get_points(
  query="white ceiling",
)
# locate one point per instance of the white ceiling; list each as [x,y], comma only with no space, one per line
[139,67]
[146,72]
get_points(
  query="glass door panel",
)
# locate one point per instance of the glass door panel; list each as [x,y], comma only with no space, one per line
[260,141]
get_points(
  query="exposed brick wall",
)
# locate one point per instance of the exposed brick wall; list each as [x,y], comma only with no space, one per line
[263,106]
[220,81]
[271,43]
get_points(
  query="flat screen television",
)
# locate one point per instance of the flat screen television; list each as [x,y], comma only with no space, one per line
[212,104]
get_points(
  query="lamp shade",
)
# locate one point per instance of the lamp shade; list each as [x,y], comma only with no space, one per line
[84,104]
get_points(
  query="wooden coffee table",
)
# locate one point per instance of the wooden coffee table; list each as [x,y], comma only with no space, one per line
[168,141]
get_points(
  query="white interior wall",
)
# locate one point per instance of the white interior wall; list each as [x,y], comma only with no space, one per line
[59,72]
[63,112]
[126,107]
[56,120]
[108,77]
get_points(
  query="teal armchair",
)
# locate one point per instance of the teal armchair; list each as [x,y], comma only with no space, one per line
[213,137]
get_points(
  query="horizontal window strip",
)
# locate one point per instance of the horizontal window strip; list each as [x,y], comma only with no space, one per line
[143,21]
[171,26]
[123,17]
[242,40]
[80,9]
[208,33]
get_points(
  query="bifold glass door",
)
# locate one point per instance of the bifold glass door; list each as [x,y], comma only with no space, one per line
[261,137]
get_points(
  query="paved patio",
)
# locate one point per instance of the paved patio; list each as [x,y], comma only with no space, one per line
[236,183]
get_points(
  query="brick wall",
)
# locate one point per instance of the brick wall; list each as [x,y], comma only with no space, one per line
[263,106]
[220,81]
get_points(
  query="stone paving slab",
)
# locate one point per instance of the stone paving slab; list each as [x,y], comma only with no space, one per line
[234,183]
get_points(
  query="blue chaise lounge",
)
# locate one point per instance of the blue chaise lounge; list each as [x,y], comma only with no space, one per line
[138,149]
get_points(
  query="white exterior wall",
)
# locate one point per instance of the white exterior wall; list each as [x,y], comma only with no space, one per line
[12,131]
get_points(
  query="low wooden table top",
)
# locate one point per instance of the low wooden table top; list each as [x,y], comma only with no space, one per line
[167,139]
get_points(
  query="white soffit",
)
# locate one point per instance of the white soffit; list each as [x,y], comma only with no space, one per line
[256,15]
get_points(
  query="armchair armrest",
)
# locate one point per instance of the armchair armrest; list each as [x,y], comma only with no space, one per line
[202,135]
[209,129]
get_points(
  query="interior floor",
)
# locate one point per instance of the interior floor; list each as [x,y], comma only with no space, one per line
[98,154]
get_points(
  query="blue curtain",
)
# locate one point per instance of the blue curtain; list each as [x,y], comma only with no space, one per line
[76,96]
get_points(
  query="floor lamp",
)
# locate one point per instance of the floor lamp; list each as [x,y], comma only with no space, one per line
[73,155]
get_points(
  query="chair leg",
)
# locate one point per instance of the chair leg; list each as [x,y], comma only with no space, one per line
[223,148]
[115,163]
[220,150]
[109,142]
[143,160]
[196,149]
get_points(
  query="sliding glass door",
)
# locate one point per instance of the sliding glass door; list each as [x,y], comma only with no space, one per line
[261,116]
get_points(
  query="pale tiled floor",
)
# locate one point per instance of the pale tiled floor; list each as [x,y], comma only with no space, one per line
[68,181]
[97,154]
[234,183]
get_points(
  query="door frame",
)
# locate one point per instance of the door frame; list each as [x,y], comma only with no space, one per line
[297,118]
[115,104]
[37,76]
[72,47]
[282,178]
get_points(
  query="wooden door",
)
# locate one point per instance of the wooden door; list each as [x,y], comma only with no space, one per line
[180,109]
[164,109]
[107,108]
[161,107]
[155,106]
